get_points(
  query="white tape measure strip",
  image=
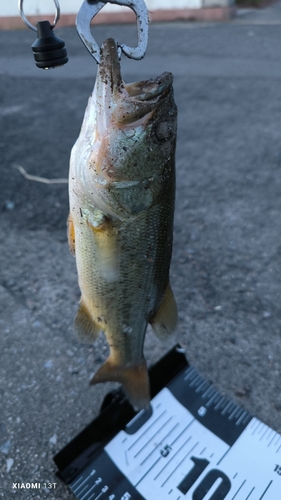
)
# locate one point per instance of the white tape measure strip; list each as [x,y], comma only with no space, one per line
[173,456]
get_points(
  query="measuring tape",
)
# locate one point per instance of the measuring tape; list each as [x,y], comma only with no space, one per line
[193,444]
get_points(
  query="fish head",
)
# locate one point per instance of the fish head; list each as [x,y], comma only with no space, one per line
[128,135]
[137,121]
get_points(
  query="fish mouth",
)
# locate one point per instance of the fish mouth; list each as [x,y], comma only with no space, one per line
[123,103]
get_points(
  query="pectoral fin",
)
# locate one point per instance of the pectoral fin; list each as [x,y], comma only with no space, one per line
[108,251]
[165,320]
[134,379]
[71,235]
[86,329]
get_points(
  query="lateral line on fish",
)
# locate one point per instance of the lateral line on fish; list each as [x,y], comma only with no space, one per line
[37,178]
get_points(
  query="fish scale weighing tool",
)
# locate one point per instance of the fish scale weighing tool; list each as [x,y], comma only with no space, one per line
[192,443]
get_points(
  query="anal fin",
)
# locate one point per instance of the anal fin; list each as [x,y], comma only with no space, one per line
[86,329]
[134,379]
[165,320]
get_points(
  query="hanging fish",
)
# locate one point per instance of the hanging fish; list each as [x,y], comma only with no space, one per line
[120,227]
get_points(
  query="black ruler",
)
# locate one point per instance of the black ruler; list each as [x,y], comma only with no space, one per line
[192,443]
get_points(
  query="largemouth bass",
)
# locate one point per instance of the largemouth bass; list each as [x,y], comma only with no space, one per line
[120,227]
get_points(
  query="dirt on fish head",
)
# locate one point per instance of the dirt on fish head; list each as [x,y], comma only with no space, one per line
[132,133]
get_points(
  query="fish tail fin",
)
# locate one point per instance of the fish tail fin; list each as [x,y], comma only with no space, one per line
[165,320]
[134,379]
[85,328]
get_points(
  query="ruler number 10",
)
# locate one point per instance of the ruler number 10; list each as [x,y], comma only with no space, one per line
[207,482]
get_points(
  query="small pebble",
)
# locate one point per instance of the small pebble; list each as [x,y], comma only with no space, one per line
[48,364]
[243,391]
[9,462]
[9,205]
[5,447]
[53,439]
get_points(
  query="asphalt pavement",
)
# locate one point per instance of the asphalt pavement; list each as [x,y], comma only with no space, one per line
[226,267]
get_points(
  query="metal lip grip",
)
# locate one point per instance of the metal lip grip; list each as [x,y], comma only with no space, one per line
[88,11]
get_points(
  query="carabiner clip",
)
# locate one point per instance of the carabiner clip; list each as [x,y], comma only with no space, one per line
[89,10]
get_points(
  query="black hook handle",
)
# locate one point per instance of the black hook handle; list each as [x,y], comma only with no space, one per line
[48,49]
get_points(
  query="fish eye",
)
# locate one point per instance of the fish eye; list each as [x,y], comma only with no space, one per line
[163,131]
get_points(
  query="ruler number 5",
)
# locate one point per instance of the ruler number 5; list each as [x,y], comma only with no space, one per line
[166,450]
[207,482]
